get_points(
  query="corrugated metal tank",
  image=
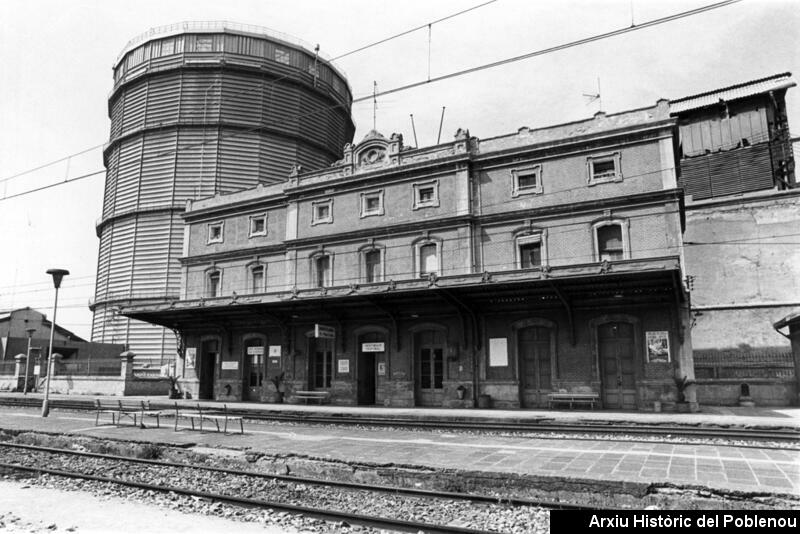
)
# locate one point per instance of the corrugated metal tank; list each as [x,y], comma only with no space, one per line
[199,109]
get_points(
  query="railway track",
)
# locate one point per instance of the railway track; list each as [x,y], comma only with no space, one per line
[31,455]
[528,426]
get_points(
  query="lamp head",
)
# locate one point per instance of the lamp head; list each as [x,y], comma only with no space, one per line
[57,275]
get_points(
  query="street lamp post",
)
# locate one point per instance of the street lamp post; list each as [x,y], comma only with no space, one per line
[30,332]
[57,275]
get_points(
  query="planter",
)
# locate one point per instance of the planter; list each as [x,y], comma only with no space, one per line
[484,401]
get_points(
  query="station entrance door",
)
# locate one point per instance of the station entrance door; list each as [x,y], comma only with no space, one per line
[253,369]
[371,349]
[617,355]
[535,361]
[209,351]
[430,368]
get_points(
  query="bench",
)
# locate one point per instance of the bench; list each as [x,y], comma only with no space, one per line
[573,398]
[319,396]
[201,414]
[134,410]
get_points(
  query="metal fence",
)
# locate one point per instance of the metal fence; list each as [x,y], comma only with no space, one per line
[100,367]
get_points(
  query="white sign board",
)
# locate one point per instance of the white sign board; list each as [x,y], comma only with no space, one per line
[191,357]
[498,352]
[274,350]
[323,331]
[372,347]
[255,351]
[344,366]
[37,369]
[230,366]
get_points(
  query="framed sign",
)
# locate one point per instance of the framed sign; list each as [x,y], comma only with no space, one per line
[323,331]
[191,357]
[255,351]
[37,369]
[274,350]
[498,352]
[657,346]
[372,347]
[344,366]
[230,366]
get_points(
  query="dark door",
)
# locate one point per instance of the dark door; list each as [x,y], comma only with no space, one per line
[430,368]
[321,362]
[208,361]
[253,369]
[617,350]
[534,350]
[365,381]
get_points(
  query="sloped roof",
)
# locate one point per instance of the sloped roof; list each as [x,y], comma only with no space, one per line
[734,92]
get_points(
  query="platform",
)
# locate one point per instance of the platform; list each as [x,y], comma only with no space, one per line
[722,469]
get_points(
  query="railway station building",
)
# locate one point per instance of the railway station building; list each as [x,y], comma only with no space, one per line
[477,271]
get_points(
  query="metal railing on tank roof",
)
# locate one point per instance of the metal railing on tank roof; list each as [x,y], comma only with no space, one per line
[220,26]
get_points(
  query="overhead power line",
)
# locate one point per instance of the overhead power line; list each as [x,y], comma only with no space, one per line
[557,48]
[406,87]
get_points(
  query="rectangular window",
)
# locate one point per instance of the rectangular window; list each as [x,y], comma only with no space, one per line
[372,203]
[167,47]
[372,266]
[604,168]
[282,56]
[526,181]
[213,284]
[204,44]
[215,232]
[428,260]
[609,242]
[322,212]
[530,255]
[322,266]
[426,194]
[258,225]
[257,278]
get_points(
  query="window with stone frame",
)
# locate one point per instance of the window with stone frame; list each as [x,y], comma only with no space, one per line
[323,275]
[604,168]
[258,225]
[215,232]
[526,181]
[610,245]
[257,279]
[372,203]
[428,259]
[426,194]
[373,268]
[322,211]
[213,284]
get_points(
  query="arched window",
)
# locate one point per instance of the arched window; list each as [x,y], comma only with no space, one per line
[611,241]
[213,284]
[322,270]
[373,271]
[257,279]
[428,259]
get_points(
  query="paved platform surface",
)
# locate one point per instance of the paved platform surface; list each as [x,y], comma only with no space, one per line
[767,417]
[724,468]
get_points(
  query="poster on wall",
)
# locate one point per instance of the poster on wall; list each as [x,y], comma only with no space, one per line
[657,347]
[274,350]
[498,352]
[344,366]
[191,357]
[381,369]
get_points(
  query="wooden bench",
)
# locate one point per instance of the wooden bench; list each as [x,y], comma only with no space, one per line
[319,396]
[573,398]
[133,410]
[201,414]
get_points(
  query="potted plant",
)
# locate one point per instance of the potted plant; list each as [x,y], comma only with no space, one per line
[461,391]
[277,381]
[682,382]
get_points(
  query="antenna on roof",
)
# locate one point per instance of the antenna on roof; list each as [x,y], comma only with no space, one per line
[414,129]
[595,97]
[441,121]
[374,104]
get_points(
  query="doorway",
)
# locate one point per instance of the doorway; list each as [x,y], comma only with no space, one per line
[617,348]
[209,351]
[534,349]
[371,349]
[253,368]
[429,366]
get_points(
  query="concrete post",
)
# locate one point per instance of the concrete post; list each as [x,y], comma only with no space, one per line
[686,356]
[19,369]
[126,369]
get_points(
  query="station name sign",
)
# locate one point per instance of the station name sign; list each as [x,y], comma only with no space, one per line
[323,331]
[372,347]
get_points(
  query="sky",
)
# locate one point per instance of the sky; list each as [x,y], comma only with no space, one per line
[55,78]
